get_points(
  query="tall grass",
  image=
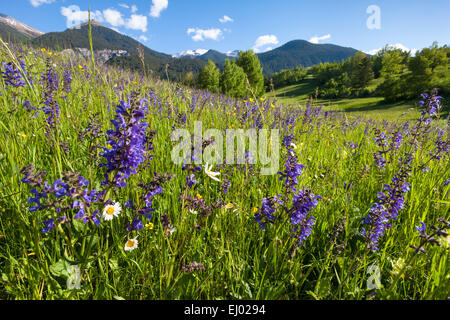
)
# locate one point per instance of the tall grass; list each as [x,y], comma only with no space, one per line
[241,261]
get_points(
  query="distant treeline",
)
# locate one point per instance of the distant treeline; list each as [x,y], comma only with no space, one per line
[239,78]
[400,75]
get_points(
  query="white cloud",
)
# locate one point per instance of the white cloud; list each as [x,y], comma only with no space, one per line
[372,52]
[143,38]
[393,46]
[157,7]
[37,3]
[202,34]
[317,39]
[225,19]
[137,22]
[133,8]
[113,17]
[263,41]
[75,16]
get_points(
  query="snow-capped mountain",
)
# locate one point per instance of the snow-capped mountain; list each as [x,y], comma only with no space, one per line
[190,53]
[233,54]
[19,26]
[200,52]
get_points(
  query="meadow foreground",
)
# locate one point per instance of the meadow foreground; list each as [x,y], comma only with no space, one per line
[92,205]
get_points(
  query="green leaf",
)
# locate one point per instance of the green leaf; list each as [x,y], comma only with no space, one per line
[59,269]
[78,225]
[113,264]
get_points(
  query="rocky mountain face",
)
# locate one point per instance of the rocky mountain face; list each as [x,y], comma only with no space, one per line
[19,26]
[102,55]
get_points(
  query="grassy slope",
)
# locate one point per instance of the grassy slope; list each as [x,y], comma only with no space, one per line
[373,107]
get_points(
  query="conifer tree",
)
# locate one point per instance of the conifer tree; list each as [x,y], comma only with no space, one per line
[232,80]
[249,61]
[209,78]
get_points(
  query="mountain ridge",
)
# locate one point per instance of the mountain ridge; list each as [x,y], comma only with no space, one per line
[13,29]
[104,38]
[292,54]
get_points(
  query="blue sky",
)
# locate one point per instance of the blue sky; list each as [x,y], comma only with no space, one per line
[171,26]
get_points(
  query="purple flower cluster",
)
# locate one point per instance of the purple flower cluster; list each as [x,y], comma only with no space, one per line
[431,104]
[225,186]
[396,141]
[442,146]
[69,194]
[302,203]
[51,106]
[266,213]
[129,141]
[389,204]
[382,142]
[12,76]
[293,169]
[422,228]
[67,81]
[190,181]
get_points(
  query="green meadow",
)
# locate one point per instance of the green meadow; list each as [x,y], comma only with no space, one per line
[236,238]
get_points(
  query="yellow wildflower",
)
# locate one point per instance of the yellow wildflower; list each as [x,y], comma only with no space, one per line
[229,206]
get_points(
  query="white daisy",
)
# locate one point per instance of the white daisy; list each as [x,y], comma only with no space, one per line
[171,229]
[210,173]
[111,211]
[131,244]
